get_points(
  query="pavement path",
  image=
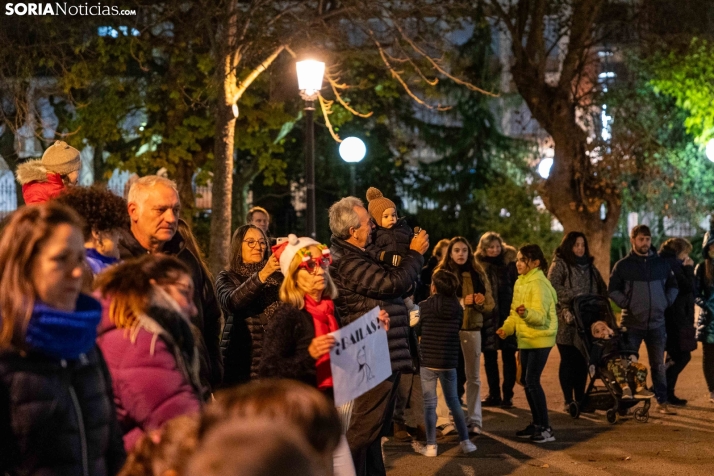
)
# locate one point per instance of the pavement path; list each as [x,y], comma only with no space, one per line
[681,444]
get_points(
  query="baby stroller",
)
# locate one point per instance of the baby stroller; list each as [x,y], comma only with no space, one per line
[588,309]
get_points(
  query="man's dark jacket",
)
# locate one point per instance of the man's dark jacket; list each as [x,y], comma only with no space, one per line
[643,286]
[363,283]
[208,320]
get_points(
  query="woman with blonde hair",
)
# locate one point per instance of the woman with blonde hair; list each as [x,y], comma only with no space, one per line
[297,342]
[149,342]
[57,413]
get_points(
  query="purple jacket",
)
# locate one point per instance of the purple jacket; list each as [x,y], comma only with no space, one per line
[154,369]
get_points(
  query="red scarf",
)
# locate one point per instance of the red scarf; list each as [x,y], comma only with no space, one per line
[323,316]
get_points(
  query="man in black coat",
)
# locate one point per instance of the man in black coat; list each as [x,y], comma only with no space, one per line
[363,283]
[154,207]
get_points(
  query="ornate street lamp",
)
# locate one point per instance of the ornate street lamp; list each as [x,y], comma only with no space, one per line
[352,151]
[310,73]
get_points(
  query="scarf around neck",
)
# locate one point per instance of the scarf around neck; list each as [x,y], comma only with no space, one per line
[323,317]
[61,334]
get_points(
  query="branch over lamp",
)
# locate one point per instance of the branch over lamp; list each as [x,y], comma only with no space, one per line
[352,151]
[310,73]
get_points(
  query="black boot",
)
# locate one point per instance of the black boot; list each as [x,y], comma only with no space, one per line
[491,401]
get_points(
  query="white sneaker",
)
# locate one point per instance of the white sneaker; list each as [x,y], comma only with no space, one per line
[467,446]
[664,409]
[426,450]
[446,429]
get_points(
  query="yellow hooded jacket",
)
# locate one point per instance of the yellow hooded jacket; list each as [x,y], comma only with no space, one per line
[539,325]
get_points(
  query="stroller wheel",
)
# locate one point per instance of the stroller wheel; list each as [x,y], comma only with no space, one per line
[642,415]
[574,409]
[612,416]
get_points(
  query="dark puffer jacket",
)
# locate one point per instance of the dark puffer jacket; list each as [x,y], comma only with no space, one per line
[679,317]
[57,417]
[395,240]
[643,286]
[208,320]
[288,336]
[248,303]
[441,318]
[705,300]
[502,274]
[363,283]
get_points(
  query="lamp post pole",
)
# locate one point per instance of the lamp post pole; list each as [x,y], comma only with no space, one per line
[310,225]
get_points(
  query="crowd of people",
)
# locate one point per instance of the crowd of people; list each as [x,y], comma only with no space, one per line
[121,354]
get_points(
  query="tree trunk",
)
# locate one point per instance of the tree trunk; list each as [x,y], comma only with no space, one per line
[240,199]
[219,247]
[98,165]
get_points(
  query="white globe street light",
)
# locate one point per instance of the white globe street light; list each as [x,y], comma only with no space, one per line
[544,167]
[310,73]
[352,151]
[710,150]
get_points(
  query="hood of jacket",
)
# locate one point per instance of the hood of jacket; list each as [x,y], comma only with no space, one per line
[34,171]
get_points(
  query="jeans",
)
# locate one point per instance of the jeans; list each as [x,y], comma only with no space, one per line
[678,360]
[409,393]
[573,373]
[490,361]
[448,384]
[471,347]
[371,416]
[708,364]
[655,340]
[533,362]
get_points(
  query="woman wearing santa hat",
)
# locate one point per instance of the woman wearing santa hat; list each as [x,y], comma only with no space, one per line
[297,340]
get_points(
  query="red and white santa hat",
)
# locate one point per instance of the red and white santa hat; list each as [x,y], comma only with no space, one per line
[286,251]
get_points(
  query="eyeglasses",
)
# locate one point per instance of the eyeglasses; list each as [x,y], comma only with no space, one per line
[311,264]
[251,243]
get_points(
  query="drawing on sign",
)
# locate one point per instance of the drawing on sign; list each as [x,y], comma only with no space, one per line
[364,369]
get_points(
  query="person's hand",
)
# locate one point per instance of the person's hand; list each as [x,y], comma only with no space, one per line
[270,267]
[420,243]
[479,299]
[321,345]
[501,333]
[469,300]
[384,319]
[521,310]
[688,261]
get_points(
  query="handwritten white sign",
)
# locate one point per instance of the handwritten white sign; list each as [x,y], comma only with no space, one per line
[360,358]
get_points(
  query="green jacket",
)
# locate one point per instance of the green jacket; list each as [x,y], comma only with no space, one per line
[539,325]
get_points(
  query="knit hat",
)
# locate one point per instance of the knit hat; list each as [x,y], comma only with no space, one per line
[377,204]
[286,251]
[61,158]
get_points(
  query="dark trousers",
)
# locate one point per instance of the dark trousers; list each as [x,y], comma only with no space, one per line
[533,362]
[371,417]
[708,365]
[409,394]
[573,373]
[490,360]
[676,361]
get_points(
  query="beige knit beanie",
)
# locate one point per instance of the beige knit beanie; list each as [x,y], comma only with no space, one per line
[377,204]
[61,158]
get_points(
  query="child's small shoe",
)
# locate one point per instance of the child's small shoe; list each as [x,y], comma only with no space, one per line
[426,450]
[643,394]
[626,392]
[467,446]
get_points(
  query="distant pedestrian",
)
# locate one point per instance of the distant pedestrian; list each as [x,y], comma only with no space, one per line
[572,274]
[534,320]
[259,216]
[57,412]
[679,317]
[643,285]
[46,178]
[499,262]
[705,300]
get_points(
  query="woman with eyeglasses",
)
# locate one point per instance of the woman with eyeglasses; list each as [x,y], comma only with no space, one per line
[248,294]
[297,340]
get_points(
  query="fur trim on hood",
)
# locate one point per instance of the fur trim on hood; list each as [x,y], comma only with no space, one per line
[31,171]
[509,253]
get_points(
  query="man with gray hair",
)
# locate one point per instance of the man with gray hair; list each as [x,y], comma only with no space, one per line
[363,283]
[154,207]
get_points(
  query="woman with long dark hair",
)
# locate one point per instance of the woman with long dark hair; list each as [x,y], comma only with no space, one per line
[248,294]
[534,321]
[474,291]
[572,273]
[705,300]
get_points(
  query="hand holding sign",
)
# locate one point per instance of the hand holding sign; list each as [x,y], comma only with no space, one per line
[321,345]
[384,319]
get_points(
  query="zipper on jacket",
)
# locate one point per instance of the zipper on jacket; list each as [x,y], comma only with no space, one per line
[80,422]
